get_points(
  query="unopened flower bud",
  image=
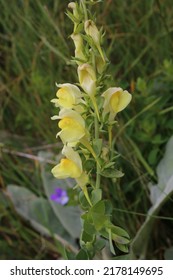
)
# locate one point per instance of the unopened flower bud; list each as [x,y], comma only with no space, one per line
[91,30]
[78,42]
[74,7]
[87,78]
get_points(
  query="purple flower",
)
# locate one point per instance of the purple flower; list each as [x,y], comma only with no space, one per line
[60,196]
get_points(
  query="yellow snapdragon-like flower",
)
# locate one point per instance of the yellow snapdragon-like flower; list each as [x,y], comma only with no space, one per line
[72,126]
[116,99]
[78,42]
[87,78]
[68,96]
[70,166]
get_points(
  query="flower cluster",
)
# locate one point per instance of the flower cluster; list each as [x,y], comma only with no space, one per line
[86,110]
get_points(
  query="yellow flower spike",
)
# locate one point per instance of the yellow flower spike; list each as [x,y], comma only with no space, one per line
[91,30]
[68,96]
[72,127]
[116,100]
[87,78]
[78,42]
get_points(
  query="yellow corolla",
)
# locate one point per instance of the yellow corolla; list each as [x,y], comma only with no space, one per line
[87,78]
[68,96]
[116,100]
[70,166]
[66,168]
[72,126]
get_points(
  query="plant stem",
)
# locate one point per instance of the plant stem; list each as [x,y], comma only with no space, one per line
[110,136]
[98,165]
[84,9]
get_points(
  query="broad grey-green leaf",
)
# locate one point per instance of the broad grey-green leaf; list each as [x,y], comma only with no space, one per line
[164,172]
[140,242]
[38,212]
[159,194]
[69,216]
[168,255]
[165,167]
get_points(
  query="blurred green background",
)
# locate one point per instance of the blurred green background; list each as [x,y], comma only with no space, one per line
[35,52]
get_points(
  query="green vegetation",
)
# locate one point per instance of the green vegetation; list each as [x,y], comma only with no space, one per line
[35,52]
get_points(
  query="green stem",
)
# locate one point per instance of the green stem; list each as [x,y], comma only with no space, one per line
[84,9]
[95,106]
[85,142]
[97,166]
[110,136]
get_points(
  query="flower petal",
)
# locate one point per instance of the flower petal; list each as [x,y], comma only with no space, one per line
[66,168]
[60,196]
[87,78]
[68,95]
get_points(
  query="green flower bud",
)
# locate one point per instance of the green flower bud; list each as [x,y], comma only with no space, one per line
[78,42]
[91,30]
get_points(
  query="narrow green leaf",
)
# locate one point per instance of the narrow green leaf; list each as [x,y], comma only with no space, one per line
[111,243]
[111,173]
[122,247]
[119,231]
